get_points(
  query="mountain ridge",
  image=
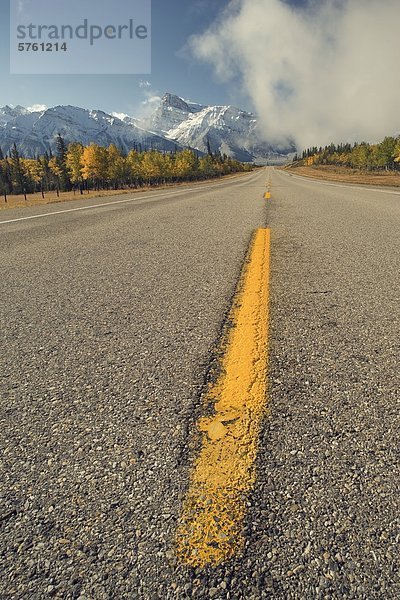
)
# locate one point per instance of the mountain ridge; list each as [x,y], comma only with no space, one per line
[175,123]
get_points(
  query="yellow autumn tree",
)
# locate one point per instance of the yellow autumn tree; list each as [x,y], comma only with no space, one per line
[397,151]
[133,166]
[56,172]
[167,167]
[74,162]
[206,166]
[150,166]
[94,164]
[34,170]
[116,166]
[54,167]
[185,164]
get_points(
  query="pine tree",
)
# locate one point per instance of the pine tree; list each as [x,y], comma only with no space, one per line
[3,187]
[18,177]
[61,159]
[47,175]
[7,177]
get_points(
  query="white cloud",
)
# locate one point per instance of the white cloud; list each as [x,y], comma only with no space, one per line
[37,108]
[148,105]
[144,84]
[326,72]
[151,100]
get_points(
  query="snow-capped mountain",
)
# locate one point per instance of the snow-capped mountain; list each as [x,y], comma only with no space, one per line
[226,129]
[171,112]
[176,123]
[8,113]
[35,132]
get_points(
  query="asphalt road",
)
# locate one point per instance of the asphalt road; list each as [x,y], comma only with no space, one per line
[109,317]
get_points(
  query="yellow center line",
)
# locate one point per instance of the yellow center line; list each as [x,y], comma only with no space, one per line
[211,524]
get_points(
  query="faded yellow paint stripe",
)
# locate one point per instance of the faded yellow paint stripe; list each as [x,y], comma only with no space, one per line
[211,524]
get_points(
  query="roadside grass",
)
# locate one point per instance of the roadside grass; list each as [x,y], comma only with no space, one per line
[348,175]
[18,201]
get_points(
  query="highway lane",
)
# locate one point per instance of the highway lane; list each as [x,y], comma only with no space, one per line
[109,317]
[324,519]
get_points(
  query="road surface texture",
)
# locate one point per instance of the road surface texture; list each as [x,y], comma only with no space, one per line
[109,318]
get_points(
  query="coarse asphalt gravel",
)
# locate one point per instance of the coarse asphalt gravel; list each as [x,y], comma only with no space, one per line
[108,322]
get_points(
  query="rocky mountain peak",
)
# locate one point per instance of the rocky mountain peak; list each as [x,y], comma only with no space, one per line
[172,101]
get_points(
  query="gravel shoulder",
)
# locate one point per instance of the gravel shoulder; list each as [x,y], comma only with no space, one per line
[348,175]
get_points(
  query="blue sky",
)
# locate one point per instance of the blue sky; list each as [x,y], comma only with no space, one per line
[338,59]
[173,22]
